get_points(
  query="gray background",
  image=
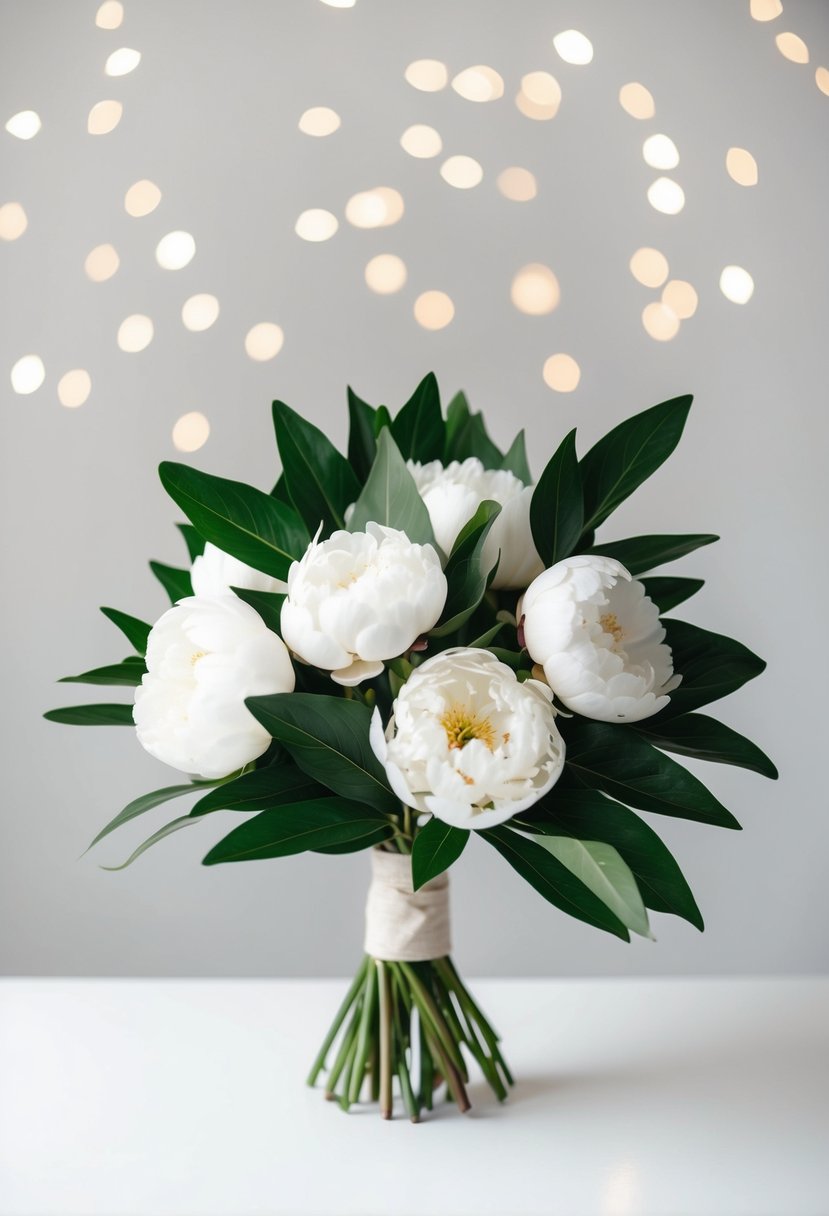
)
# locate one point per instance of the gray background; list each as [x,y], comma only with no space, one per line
[211,116]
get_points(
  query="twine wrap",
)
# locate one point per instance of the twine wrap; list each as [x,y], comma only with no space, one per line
[403,925]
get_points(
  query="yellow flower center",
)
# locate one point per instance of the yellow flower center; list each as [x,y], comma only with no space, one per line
[463,724]
[610,625]
[199,654]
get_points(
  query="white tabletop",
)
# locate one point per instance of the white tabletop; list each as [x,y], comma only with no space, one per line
[187,1098]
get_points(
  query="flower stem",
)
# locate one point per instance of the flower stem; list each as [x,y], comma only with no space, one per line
[385,1041]
[348,1001]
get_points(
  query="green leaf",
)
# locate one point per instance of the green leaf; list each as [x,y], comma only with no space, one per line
[175,582]
[436,846]
[357,845]
[419,430]
[616,759]
[627,456]
[641,553]
[711,665]
[128,673]
[390,496]
[280,492]
[602,870]
[466,578]
[318,478]
[589,814]
[147,802]
[515,460]
[706,739]
[470,438]
[362,445]
[136,632]
[174,826]
[261,790]
[382,420]
[457,413]
[286,830]
[666,593]
[553,880]
[254,527]
[267,603]
[556,507]
[194,542]
[328,739]
[92,715]
[482,642]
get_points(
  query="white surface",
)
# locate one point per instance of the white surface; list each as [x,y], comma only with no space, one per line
[187,1097]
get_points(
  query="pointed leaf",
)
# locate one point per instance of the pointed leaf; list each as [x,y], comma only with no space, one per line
[256,528]
[362,445]
[515,460]
[705,739]
[711,665]
[174,826]
[466,578]
[92,715]
[641,553]
[286,830]
[470,438]
[319,480]
[136,632]
[261,790]
[436,846]
[419,430]
[666,593]
[128,673]
[457,413]
[194,542]
[175,582]
[601,868]
[390,496]
[267,603]
[148,802]
[556,507]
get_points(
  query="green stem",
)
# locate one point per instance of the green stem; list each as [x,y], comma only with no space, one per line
[358,1065]
[385,1042]
[427,1007]
[346,1048]
[348,1001]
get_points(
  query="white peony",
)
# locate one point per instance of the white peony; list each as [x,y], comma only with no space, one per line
[214,573]
[469,742]
[204,656]
[599,639]
[453,493]
[359,598]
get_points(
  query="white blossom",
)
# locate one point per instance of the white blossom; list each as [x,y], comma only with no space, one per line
[215,572]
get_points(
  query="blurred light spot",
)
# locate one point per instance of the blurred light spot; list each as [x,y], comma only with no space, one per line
[433,310]
[793,48]
[666,196]
[122,62]
[135,333]
[480,83]
[421,141]
[736,284]
[191,432]
[573,47]
[517,184]
[649,267]
[102,263]
[104,117]
[175,250]
[386,273]
[535,290]
[561,373]
[28,374]
[340,3]
[765,10]
[24,125]
[681,298]
[636,100]
[13,221]
[539,96]
[74,387]
[264,341]
[741,166]
[375,208]
[660,322]
[462,172]
[319,121]
[142,198]
[316,224]
[110,15]
[199,312]
[428,75]
[822,80]
[660,152]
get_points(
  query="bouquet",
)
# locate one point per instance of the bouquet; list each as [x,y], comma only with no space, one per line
[410,643]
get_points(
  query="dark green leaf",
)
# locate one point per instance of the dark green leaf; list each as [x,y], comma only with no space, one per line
[666,593]
[261,790]
[382,420]
[174,826]
[381,833]
[390,496]
[147,802]
[267,603]
[556,508]
[328,739]
[362,445]
[705,739]
[641,553]
[128,673]
[319,480]
[92,715]
[515,460]
[194,542]
[175,582]
[280,491]
[136,632]
[457,413]
[436,846]
[711,666]
[317,823]
[553,880]
[419,430]
[467,579]
[254,527]
[627,455]
[614,758]
[471,439]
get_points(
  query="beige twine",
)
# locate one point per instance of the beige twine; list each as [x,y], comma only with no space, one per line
[403,925]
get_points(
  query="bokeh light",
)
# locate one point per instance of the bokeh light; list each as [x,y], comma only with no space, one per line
[736,284]
[480,83]
[377,208]
[24,125]
[28,374]
[765,10]
[13,221]
[264,341]
[573,47]
[135,333]
[666,196]
[681,297]
[175,250]
[386,273]
[517,184]
[104,117]
[660,152]
[199,312]
[428,75]
[561,373]
[822,80]
[421,141]
[636,100]
[741,167]
[539,96]
[316,224]
[535,290]
[319,121]
[462,172]
[791,47]
[191,432]
[74,388]
[649,267]
[101,263]
[142,198]
[110,15]
[122,62]
[660,322]
[433,309]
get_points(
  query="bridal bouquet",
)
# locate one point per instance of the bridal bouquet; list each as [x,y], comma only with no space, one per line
[399,647]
